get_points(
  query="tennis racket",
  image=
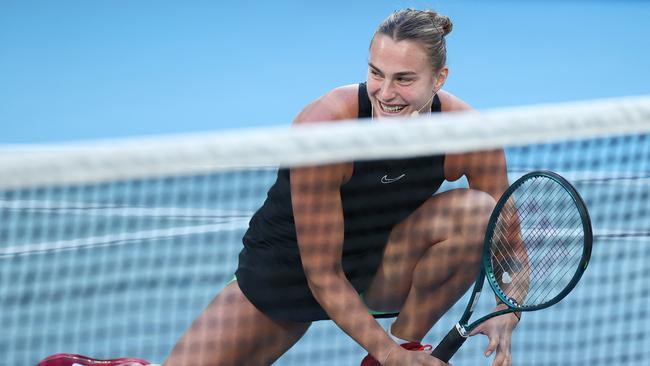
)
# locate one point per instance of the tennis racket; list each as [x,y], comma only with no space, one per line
[537,245]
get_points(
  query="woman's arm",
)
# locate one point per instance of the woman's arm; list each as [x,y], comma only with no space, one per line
[318,215]
[485,170]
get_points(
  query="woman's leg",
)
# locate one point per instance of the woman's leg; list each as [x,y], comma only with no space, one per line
[231,331]
[431,259]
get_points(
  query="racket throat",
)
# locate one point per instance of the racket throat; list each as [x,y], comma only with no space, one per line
[462,330]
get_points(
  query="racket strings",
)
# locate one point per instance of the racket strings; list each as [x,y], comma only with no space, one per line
[509,263]
[557,266]
[545,289]
[508,227]
[544,258]
[551,234]
[504,261]
[513,227]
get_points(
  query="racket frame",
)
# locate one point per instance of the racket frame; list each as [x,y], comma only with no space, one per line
[586,248]
[462,329]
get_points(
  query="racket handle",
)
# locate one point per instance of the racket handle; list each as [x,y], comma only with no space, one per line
[446,349]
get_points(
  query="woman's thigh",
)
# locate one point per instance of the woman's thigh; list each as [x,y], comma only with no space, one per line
[453,222]
[231,331]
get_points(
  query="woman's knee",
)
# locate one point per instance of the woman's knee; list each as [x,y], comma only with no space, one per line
[474,212]
[468,221]
[482,204]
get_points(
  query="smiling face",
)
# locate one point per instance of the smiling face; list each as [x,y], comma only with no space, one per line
[401,79]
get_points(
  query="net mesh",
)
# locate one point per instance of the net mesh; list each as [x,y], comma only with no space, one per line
[113,248]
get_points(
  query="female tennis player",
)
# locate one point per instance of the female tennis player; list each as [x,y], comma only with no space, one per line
[354,241]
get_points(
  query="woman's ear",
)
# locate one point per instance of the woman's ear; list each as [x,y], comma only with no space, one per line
[442,77]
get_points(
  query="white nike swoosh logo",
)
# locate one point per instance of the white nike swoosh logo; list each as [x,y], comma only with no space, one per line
[387,180]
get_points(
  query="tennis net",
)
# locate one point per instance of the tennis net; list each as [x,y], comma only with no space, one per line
[113,248]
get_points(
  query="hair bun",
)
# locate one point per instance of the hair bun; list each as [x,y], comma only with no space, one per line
[443,22]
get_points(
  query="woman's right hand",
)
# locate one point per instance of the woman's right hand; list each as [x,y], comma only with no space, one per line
[403,357]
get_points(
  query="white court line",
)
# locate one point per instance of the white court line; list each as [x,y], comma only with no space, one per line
[116,210]
[122,238]
[640,178]
[241,223]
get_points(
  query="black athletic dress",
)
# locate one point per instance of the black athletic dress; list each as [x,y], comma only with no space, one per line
[378,196]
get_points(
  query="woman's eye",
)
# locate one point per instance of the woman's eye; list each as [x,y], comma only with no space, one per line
[377,76]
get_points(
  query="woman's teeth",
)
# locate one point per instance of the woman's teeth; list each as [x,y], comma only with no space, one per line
[391,109]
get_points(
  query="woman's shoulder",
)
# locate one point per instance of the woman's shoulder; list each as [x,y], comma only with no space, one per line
[338,104]
[452,103]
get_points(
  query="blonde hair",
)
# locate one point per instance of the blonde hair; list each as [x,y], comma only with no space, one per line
[425,26]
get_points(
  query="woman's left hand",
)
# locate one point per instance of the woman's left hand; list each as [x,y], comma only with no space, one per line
[499,332]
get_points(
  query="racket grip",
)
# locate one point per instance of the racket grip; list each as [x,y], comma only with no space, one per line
[446,349]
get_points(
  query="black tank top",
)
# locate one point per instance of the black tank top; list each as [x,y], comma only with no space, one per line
[378,195]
